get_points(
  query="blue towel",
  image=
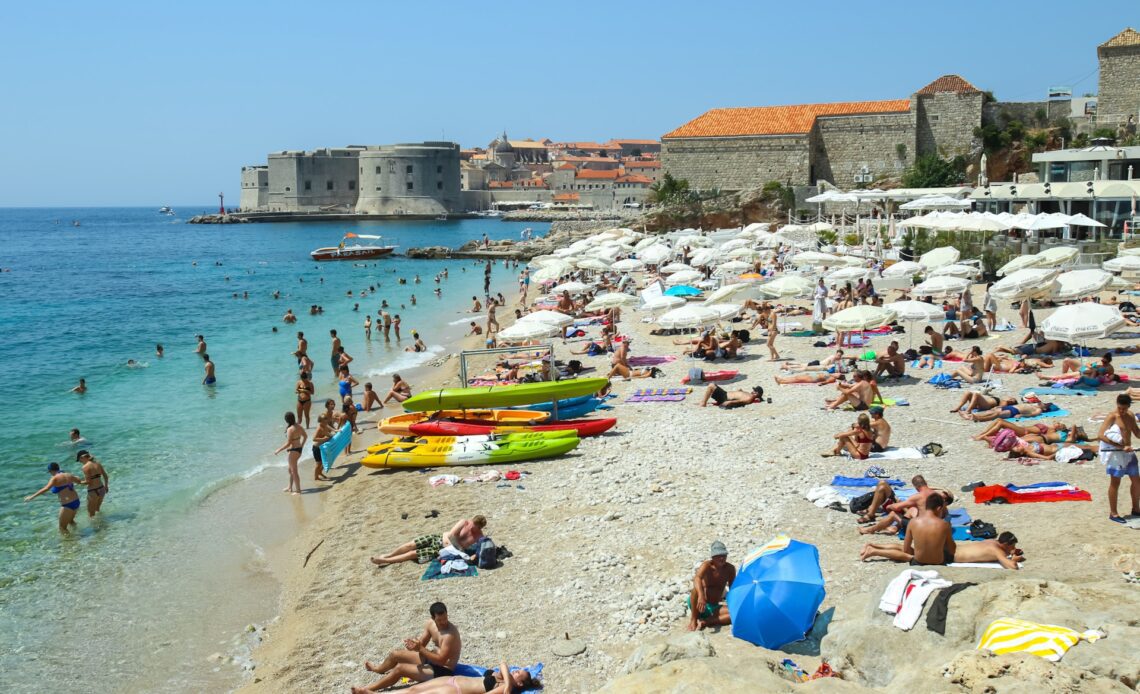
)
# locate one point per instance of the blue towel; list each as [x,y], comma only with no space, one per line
[465,670]
[959,517]
[1131,366]
[842,481]
[1047,415]
[434,571]
[1036,485]
[937,363]
[1061,390]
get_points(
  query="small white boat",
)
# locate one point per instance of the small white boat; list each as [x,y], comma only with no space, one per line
[356,251]
[165,210]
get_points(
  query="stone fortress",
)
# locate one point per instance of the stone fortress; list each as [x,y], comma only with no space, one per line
[855,143]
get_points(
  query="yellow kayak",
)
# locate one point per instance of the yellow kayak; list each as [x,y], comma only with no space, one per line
[398,454]
[480,438]
[398,425]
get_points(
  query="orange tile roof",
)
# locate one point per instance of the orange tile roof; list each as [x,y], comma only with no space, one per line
[566,167]
[1128,37]
[590,173]
[948,83]
[643,164]
[777,120]
[501,184]
[635,142]
[565,197]
[634,178]
[526,144]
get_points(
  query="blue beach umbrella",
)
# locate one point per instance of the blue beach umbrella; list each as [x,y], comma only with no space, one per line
[776,594]
[682,290]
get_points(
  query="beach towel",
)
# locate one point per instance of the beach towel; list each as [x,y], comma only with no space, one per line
[435,571]
[896,454]
[915,364]
[803,333]
[1060,390]
[976,564]
[991,492]
[465,670]
[883,402]
[1047,415]
[659,395]
[650,361]
[841,481]
[1048,641]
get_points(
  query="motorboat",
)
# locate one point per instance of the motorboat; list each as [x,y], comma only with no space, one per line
[165,210]
[355,251]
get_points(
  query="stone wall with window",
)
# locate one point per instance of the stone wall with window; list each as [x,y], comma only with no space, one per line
[410,179]
[321,180]
[254,188]
[867,145]
[737,163]
[1119,85]
[945,122]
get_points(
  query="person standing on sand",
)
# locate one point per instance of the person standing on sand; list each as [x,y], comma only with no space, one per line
[335,359]
[773,331]
[62,484]
[1118,456]
[426,548]
[400,391]
[710,585]
[295,443]
[386,320]
[819,311]
[209,380]
[97,480]
[200,350]
[305,390]
[368,327]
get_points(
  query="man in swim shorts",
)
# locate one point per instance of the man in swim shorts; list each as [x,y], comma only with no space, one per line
[710,584]
[425,548]
[415,661]
[729,399]
[928,539]
[209,380]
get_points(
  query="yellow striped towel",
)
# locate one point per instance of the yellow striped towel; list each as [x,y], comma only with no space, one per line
[1047,641]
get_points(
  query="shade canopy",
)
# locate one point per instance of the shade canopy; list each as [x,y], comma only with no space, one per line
[956,270]
[611,300]
[940,286]
[689,316]
[936,202]
[572,287]
[740,290]
[662,303]
[1059,255]
[593,264]
[916,311]
[1084,321]
[814,258]
[1024,284]
[1019,263]
[682,290]
[863,317]
[733,267]
[788,285]
[1122,263]
[903,268]
[684,277]
[552,271]
[776,593]
[527,330]
[945,255]
[1077,284]
[654,254]
[724,311]
[547,317]
[674,267]
[628,265]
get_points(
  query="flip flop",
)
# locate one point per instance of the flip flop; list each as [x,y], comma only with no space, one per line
[1117,519]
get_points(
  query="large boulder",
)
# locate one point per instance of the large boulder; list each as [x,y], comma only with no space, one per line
[694,644]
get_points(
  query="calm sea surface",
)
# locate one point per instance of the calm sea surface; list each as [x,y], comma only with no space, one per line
[139,599]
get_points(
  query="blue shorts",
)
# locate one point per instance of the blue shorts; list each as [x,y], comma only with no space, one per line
[1130,469]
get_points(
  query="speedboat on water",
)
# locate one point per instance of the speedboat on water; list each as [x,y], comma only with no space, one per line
[356,251]
[165,210]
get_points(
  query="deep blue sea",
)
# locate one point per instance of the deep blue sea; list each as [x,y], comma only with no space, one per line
[136,600]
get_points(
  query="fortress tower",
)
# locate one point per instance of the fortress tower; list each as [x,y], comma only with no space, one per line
[1119,88]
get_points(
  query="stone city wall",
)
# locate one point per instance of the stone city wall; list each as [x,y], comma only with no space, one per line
[844,145]
[311,182]
[737,163]
[410,179]
[1000,112]
[1119,86]
[945,122]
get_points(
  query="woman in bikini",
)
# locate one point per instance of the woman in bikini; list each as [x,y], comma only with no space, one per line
[97,481]
[974,367]
[501,681]
[400,391]
[972,401]
[295,443]
[63,485]
[857,440]
[1058,432]
[305,390]
[817,377]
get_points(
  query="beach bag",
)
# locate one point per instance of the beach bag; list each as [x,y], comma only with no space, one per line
[861,503]
[911,354]
[696,375]
[932,448]
[982,530]
[486,555]
[1004,441]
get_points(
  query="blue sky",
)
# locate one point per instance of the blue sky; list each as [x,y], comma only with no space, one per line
[148,103]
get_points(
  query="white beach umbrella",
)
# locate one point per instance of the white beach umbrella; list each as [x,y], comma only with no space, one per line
[915,311]
[936,202]
[611,300]
[904,268]
[683,277]
[674,267]
[1077,284]
[735,243]
[654,254]
[628,265]
[747,254]
[956,270]
[733,266]
[527,330]
[581,246]
[1119,282]
[1024,284]
[572,287]
[940,286]
[814,258]
[724,311]
[863,317]
[540,260]
[647,242]
[1058,255]
[1081,220]
[606,253]
[547,317]
[1019,263]
[741,290]
[944,255]
[1036,222]
[788,285]
[662,303]
[692,241]
[848,274]
[1128,251]
[1081,322]
[1122,263]
[757,226]
[551,271]
[689,316]
[705,256]
[593,264]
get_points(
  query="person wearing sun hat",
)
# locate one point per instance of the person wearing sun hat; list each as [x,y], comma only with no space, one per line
[710,586]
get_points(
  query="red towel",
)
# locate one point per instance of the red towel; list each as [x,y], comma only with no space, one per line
[996,491]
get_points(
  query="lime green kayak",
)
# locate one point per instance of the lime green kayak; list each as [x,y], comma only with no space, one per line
[484,397]
[404,454]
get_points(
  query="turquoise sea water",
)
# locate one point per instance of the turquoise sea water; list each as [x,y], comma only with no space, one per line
[136,599]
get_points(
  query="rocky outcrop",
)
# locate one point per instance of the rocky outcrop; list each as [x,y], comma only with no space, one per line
[216,219]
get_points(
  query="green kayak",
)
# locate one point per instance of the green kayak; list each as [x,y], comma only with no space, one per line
[484,397]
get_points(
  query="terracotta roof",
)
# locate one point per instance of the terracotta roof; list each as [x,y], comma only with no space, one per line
[565,167]
[1128,37]
[501,184]
[635,142]
[565,197]
[526,144]
[948,83]
[634,178]
[590,173]
[643,164]
[777,120]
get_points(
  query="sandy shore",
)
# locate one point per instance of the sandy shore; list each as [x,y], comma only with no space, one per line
[605,539]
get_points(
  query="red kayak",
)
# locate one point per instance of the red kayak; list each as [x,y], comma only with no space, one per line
[584,427]
[715,376]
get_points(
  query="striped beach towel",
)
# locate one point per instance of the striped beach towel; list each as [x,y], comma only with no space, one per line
[1007,635]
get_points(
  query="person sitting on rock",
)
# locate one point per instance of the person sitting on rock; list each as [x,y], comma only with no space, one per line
[710,585]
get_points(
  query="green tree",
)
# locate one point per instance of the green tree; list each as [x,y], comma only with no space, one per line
[669,190]
[932,171]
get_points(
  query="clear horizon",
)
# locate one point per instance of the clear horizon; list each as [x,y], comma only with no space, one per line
[137,104]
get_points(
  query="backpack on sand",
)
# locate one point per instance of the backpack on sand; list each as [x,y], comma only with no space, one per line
[486,556]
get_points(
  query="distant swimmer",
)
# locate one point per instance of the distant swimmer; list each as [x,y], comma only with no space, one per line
[158,352]
[383,303]
[289,317]
[76,439]
[295,437]
[81,388]
[438,293]
[135,364]
[418,346]
[97,480]
[417,279]
[63,485]
[201,348]
[413,299]
[209,380]
[356,307]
